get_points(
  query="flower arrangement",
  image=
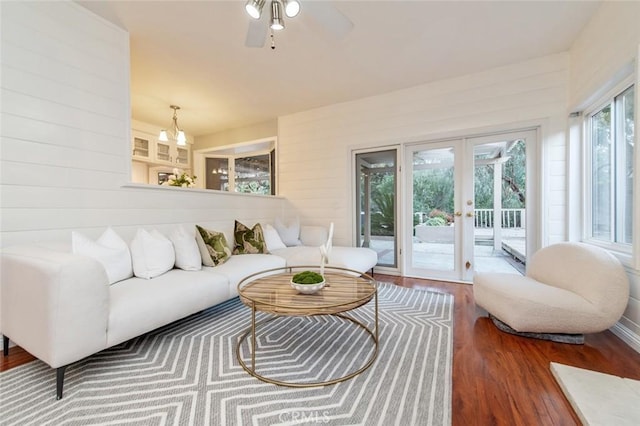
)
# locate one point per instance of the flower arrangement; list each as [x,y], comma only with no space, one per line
[180,179]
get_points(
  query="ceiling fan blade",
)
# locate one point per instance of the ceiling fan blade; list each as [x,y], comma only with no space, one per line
[329,17]
[256,33]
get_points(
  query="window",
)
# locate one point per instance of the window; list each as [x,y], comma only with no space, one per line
[217,173]
[609,169]
[247,173]
[253,174]
[248,167]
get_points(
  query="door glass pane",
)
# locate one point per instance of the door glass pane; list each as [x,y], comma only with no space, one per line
[217,174]
[499,243]
[252,174]
[376,181]
[433,204]
[601,174]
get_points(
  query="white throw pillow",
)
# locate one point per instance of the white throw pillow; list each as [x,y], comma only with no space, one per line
[110,250]
[290,234]
[272,238]
[186,249]
[152,254]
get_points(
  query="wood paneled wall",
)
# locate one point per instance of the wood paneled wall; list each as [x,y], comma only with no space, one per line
[65,150]
[315,146]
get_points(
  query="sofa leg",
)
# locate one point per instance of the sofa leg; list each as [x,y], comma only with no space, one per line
[5,345]
[59,381]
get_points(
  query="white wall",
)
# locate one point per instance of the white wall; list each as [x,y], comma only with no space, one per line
[232,136]
[603,48]
[609,44]
[314,146]
[65,147]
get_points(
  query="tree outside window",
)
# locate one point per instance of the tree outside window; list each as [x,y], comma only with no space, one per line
[610,169]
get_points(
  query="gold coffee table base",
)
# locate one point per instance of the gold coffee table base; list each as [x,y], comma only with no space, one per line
[346,290]
[251,370]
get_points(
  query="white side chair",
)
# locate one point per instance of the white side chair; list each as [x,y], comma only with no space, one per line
[569,289]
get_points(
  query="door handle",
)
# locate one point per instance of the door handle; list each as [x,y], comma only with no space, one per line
[458,214]
[470,214]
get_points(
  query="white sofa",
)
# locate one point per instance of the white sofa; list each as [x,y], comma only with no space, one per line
[60,307]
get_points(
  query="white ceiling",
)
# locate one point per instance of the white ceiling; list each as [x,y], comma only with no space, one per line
[192,53]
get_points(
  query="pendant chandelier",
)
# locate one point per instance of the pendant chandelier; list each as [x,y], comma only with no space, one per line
[176,134]
[291,9]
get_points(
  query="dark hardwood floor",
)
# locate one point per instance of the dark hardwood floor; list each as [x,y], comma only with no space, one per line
[502,379]
[498,378]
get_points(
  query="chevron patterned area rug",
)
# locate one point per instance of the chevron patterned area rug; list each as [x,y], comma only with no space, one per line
[187,373]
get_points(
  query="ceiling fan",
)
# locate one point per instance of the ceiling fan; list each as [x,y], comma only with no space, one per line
[324,13]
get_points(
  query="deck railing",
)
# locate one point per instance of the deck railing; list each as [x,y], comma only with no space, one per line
[511,218]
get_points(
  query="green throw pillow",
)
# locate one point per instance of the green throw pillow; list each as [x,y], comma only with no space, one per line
[248,241]
[213,246]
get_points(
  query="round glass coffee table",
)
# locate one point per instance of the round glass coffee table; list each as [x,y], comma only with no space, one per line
[270,292]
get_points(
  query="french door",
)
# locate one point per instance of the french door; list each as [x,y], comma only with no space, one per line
[435,187]
[468,207]
[376,190]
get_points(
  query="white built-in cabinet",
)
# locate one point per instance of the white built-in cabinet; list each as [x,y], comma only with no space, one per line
[141,147]
[147,148]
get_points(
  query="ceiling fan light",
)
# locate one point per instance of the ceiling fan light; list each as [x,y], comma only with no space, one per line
[163,136]
[181,139]
[291,8]
[254,8]
[277,23]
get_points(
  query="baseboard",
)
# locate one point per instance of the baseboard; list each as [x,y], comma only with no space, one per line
[627,336]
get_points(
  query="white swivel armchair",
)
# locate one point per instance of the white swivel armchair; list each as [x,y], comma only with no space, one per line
[570,288]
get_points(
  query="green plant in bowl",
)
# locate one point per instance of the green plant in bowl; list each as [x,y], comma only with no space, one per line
[307,282]
[307,277]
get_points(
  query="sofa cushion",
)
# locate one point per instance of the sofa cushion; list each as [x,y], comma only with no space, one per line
[187,251]
[360,259]
[138,305]
[290,234]
[152,254]
[213,246]
[272,238]
[239,267]
[110,250]
[248,240]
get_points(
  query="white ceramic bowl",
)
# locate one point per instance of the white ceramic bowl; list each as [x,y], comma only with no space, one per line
[308,288]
